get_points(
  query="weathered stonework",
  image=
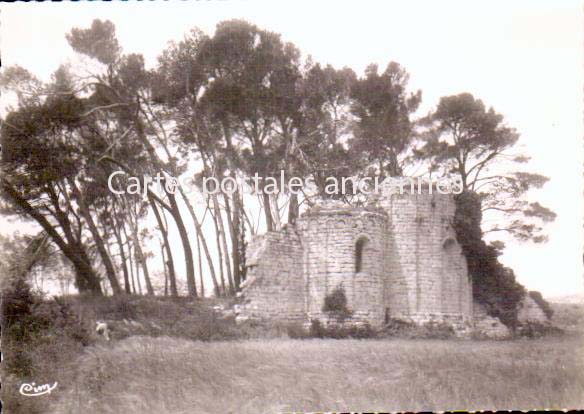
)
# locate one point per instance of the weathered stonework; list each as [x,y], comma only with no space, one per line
[486,326]
[397,258]
[530,311]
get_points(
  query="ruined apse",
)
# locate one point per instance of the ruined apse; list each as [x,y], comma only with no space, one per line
[397,258]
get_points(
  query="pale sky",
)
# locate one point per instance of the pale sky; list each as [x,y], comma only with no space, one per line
[524,58]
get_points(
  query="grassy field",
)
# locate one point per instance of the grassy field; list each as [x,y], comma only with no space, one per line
[171,375]
[183,358]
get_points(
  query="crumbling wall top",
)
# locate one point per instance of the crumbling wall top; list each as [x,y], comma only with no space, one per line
[334,207]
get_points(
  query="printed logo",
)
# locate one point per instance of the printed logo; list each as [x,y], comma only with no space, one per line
[32,390]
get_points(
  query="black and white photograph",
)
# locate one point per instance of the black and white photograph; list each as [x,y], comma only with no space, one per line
[257,207]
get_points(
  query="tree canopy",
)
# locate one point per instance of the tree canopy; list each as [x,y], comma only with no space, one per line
[240,102]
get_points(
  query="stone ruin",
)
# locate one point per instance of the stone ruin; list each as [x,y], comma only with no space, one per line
[397,258]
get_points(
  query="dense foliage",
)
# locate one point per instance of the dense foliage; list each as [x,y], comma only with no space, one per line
[494,285]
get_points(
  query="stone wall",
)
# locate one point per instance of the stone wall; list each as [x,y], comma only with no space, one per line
[530,311]
[427,271]
[330,237]
[486,326]
[397,258]
[274,287]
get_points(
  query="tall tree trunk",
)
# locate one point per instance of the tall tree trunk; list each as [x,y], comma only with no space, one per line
[137,264]
[293,209]
[124,264]
[130,260]
[233,223]
[223,238]
[233,217]
[268,212]
[84,272]
[141,258]
[203,241]
[276,213]
[109,267]
[118,236]
[165,268]
[182,231]
[242,247]
[200,260]
[219,253]
[173,210]
[164,232]
[131,266]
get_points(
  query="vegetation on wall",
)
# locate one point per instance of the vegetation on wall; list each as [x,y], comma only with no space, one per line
[335,304]
[494,285]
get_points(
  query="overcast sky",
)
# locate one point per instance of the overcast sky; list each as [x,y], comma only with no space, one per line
[524,58]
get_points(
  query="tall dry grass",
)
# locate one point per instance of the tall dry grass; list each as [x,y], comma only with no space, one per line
[171,375]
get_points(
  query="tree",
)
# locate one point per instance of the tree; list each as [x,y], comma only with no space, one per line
[383,129]
[254,75]
[322,127]
[226,94]
[465,140]
[40,155]
[122,91]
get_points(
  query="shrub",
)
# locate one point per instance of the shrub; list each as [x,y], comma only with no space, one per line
[409,330]
[35,325]
[397,327]
[335,303]
[340,331]
[361,331]
[436,330]
[296,331]
[17,301]
[537,330]
[317,330]
[39,338]
[18,327]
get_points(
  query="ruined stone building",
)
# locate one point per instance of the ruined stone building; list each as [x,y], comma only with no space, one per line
[396,258]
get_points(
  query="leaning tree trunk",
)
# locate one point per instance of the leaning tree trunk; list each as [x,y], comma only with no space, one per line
[173,210]
[118,236]
[182,231]
[140,254]
[137,271]
[99,243]
[131,266]
[200,260]
[202,240]
[130,261]
[124,259]
[164,232]
[165,267]
[86,279]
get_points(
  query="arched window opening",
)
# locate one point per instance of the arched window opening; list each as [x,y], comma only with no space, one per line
[359,249]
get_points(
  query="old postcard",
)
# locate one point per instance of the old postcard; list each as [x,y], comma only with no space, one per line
[291,207]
